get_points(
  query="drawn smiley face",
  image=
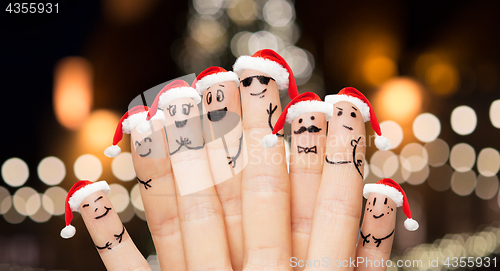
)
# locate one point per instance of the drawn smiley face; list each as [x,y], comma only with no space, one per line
[179,111]
[379,206]
[220,98]
[150,144]
[96,205]
[308,122]
[347,115]
[257,84]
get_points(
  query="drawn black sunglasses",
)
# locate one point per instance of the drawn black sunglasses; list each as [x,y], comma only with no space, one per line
[262,79]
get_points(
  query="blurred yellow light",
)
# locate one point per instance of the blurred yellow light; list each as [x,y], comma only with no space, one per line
[488,162]
[495,113]
[463,120]
[97,133]
[463,183]
[53,200]
[122,167]
[135,197]
[379,69]
[384,164]
[51,170]
[21,200]
[392,131]
[119,197]
[438,151]
[72,91]
[5,200]
[443,78]
[426,127]
[487,187]
[399,99]
[462,157]
[127,11]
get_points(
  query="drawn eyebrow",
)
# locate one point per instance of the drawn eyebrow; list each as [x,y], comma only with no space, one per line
[385,202]
[221,85]
[354,108]
[339,108]
[85,205]
[374,200]
[98,199]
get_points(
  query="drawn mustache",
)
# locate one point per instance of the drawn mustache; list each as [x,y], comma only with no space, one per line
[310,129]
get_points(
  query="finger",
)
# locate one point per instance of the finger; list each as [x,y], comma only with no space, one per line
[306,166]
[265,183]
[116,248]
[339,200]
[223,133]
[156,183]
[200,213]
[377,233]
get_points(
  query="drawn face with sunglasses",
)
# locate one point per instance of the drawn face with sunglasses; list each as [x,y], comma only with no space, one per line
[257,84]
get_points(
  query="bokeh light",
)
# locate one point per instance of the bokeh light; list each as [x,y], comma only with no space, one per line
[440,178]
[278,13]
[33,204]
[443,78]
[463,120]
[462,157]
[239,43]
[207,7]
[384,164]
[15,172]
[418,177]
[300,61]
[209,33]
[488,162]
[5,200]
[426,127]
[438,152]
[51,170]
[487,187]
[242,12]
[127,214]
[41,216]
[119,197]
[88,167]
[389,99]
[378,69]
[122,167]
[13,217]
[127,12]
[135,198]
[97,132]
[21,198]
[463,183]
[73,78]
[264,39]
[495,113]
[53,200]
[392,131]
[413,157]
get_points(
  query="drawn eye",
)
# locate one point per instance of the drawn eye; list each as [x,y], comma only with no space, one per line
[137,143]
[339,113]
[172,110]
[220,95]
[247,81]
[353,114]
[300,120]
[312,117]
[186,108]
[385,201]
[147,139]
[209,97]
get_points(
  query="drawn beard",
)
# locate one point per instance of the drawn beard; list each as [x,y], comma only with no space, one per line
[310,129]
[217,115]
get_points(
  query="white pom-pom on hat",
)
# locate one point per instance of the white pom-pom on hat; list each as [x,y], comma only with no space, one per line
[68,232]
[382,143]
[269,140]
[112,151]
[411,224]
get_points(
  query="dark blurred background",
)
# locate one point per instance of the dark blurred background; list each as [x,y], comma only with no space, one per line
[431,69]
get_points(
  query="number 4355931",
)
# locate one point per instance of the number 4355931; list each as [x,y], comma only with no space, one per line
[32,8]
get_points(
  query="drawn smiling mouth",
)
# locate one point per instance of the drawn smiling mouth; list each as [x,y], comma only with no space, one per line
[347,127]
[377,217]
[259,94]
[105,213]
[217,115]
[180,124]
[146,154]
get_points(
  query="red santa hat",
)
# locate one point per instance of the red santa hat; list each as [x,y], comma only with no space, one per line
[272,64]
[357,98]
[132,118]
[306,102]
[211,76]
[76,195]
[174,90]
[392,189]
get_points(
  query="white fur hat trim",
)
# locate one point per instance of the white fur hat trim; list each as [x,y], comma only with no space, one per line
[362,106]
[82,193]
[215,78]
[138,119]
[389,191]
[309,107]
[176,93]
[269,67]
